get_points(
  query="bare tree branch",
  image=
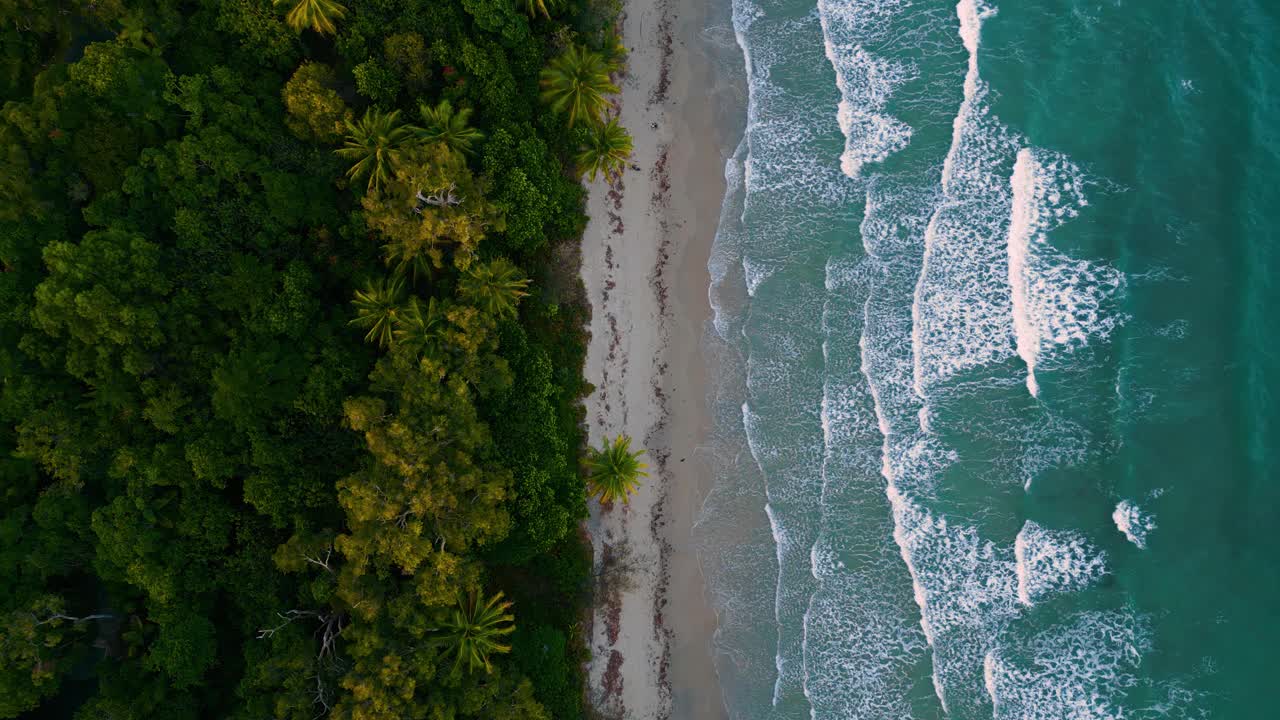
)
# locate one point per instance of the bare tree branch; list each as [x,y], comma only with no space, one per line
[322,563]
[440,198]
[71,618]
[321,697]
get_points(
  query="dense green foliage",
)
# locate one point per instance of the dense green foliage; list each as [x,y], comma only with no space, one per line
[285,374]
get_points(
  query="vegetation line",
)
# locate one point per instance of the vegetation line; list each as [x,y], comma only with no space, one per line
[291,349]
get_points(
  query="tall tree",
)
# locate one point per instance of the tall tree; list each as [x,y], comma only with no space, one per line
[319,15]
[615,471]
[495,287]
[443,124]
[576,82]
[375,144]
[607,150]
[475,630]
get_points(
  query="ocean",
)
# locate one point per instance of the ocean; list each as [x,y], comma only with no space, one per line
[995,361]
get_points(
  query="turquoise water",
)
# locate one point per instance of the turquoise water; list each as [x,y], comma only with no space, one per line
[996,383]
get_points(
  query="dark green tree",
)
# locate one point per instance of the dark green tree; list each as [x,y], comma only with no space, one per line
[376,81]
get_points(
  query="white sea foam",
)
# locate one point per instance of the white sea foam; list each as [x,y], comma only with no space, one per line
[959,312]
[864,80]
[725,257]
[1175,330]
[755,273]
[907,458]
[970,590]
[789,190]
[991,286]
[794,191]
[1133,522]
[1067,300]
[779,541]
[967,589]
[989,681]
[1022,224]
[862,640]
[1076,671]
[922,323]
[1049,561]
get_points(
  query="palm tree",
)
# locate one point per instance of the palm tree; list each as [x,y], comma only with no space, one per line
[576,83]
[495,287]
[541,7]
[420,325]
[409,258]
[614,50]
[315,14]
[378,309]
[475,630]
[443,125]
[375,144]
[607,149]
[615,471]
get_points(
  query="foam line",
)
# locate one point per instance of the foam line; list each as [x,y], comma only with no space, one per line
[865,83]
[1023,221]
[970,32]
[971,15]
[1021,568]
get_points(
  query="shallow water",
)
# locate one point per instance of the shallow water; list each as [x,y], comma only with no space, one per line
[994,400]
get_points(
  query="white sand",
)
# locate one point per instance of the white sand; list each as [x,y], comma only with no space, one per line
[644,265]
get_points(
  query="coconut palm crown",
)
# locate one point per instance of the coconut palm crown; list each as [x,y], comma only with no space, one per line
[375,144]
[615,471]
[445,125]
[319,15]
[607,149]
[378,309]
[420,326]
[495,287]
[540,7]
[576,83]
[475,630]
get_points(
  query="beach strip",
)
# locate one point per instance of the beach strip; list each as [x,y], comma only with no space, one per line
[644,267]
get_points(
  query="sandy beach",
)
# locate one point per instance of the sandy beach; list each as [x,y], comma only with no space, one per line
[644,266]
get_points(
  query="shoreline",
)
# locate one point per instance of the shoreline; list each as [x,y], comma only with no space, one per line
[644,268]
